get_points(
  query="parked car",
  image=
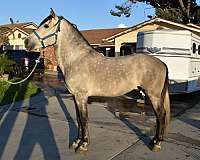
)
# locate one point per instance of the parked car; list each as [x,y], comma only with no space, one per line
[25,62]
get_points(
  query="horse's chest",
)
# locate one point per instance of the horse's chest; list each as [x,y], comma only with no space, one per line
[77,81]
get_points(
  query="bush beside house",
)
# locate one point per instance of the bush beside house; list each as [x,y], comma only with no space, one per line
[6,65]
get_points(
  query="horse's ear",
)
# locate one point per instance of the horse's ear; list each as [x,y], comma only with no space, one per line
[52,13]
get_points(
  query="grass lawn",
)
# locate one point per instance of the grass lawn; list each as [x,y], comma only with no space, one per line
[12,93]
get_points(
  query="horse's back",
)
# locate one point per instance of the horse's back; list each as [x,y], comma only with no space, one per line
[138,63]
[118,75]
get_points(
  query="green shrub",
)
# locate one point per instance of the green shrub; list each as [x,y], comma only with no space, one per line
[6,65]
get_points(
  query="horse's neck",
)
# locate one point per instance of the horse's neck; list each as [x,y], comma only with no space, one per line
[71,46]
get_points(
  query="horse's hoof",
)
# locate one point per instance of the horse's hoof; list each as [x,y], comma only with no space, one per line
[82,148]
[75,144]
[156,148]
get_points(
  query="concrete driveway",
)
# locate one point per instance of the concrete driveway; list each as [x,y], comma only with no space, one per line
[41,128]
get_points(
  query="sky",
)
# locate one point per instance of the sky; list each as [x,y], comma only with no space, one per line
[86,14]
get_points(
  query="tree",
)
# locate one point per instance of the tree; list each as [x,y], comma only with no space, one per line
[6,65]
[183,11]
[3,37]
[4,40]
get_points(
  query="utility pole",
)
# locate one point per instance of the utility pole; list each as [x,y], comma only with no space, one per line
[188,10]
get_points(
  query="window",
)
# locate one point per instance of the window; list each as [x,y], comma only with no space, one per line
[194,47]
[19,35]
[18,47]
[127,49]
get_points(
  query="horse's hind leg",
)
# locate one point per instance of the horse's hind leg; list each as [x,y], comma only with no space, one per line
[82,119]
[160,118]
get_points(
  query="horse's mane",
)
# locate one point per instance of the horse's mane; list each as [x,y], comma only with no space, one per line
[76,31]
[45,20]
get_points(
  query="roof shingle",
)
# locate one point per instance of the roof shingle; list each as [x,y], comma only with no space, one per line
[6,27]
[96,36]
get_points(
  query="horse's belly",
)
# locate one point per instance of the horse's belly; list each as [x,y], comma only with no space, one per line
[114,88]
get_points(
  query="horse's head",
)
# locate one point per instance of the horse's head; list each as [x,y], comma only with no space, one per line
[46,34]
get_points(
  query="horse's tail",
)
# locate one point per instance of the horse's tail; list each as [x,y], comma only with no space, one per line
[166,103]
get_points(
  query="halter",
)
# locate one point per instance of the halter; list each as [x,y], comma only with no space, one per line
[41,39]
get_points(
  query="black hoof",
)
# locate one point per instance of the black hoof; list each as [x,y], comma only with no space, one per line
[156,148]
[82,148]
[75,144]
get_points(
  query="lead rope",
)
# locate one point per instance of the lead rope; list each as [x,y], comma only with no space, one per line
[36,62]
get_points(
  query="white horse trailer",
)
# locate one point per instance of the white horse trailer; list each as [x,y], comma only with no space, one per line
[180,51]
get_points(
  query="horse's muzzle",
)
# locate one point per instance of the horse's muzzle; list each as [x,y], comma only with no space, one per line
[29,45]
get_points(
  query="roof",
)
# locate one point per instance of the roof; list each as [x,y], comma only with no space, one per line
[27,30]
[194,25]
[96,36]
[167,31]
[21,26]
[18,25]
[192,28]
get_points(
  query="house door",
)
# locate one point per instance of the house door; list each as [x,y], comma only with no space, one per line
[127,49]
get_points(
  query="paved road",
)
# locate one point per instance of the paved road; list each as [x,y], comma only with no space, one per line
[42,127]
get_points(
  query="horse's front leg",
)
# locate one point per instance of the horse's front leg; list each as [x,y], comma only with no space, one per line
[76,142]
[82,140]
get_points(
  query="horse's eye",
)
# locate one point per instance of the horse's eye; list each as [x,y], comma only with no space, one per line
[46,26]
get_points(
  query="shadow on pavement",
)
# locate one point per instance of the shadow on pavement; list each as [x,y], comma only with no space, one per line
[191,121]
[38,131]
[8,119]
[73,130]
[130,113]
[11,96]
[141,136]
[191,100]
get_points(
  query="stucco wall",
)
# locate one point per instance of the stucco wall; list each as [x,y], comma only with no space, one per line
[15,40]
[131,37]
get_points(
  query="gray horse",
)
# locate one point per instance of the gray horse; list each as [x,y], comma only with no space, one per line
[88,73]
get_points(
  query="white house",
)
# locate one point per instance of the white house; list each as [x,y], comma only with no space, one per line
[19,32]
